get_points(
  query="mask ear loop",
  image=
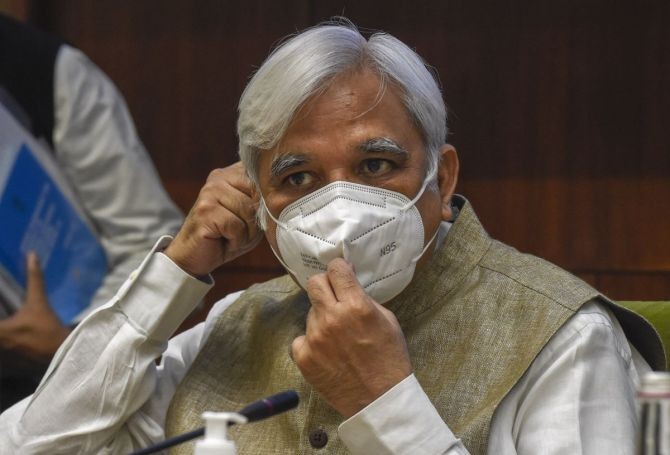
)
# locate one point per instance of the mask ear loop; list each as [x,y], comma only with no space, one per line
[425,248]
[267,210]
[282,225]
[411,203]
[426,181]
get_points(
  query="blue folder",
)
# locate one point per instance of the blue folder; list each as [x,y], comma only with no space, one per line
[36,216]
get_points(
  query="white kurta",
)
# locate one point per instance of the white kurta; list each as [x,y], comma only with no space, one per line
[98,150]
[104,393]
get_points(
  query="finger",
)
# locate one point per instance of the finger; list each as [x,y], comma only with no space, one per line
[311,324]
[299,349]
[248,217]
[223,206]
[234,175]
[242,182]
[35,290]
[230,195]
[255,196]
[7,331]
[232,188]
[10,329]
[232,229]
[319,291]
[242,206]
[343,280]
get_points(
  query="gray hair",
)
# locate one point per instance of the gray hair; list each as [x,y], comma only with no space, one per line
[303,66]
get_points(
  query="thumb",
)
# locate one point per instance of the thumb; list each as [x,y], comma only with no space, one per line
[35,290]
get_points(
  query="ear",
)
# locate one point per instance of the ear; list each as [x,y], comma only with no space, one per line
[447,176]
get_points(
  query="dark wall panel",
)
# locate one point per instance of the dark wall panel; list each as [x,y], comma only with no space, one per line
[540,89]
[181,65]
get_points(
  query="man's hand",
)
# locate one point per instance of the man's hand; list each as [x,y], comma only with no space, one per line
[221,225]
[353,350]
[34,330]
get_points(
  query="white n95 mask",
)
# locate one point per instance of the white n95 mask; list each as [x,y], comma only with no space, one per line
[379,231]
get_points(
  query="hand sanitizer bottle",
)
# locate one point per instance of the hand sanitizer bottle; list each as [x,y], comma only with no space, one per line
[216,441]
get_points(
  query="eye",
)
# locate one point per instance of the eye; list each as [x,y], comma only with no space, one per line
[377,166]
[299,179]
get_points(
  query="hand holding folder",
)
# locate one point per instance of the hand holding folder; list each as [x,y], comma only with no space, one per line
[34,330]
[40,213]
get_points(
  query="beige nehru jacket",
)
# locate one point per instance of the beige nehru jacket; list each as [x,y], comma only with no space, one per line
[474,318]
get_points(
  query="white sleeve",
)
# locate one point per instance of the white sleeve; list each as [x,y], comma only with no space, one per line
[97,147]
[402,421]
[578,396]
[103,391]
[178,358]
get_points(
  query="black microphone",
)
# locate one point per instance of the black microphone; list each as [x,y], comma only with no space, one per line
[258,410]
[272,405]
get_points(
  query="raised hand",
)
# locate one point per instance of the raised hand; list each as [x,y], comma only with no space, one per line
[353,350]
[221,225]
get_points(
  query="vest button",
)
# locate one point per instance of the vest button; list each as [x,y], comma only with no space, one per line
[318,438]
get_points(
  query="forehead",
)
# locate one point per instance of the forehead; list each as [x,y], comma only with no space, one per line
[354,109]
[351,98]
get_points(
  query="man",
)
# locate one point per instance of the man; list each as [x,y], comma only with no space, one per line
[409,330]
[64,100]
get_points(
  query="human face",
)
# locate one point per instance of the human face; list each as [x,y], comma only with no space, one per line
[347,133]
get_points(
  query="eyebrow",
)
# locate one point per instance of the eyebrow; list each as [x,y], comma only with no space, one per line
[286,161]
[382,144]
[280,164]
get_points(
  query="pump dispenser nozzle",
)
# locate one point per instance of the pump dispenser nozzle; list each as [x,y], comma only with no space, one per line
[216,440]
